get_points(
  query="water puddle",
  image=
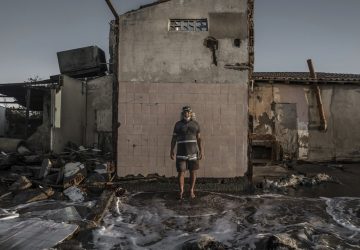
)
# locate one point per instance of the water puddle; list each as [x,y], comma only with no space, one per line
[159,221]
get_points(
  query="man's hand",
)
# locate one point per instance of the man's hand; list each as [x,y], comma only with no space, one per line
[172,155]
[200,155]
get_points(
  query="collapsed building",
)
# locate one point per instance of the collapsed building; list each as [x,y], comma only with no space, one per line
[304,116]
[75,106]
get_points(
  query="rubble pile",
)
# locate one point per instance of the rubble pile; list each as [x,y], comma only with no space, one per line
[27,176]
[296,180]
[60,194]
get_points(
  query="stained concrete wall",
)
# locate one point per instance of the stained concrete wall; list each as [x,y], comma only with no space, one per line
[72,113]
[149,52]
[3,121]
[160,71]
[98,110]
[40,140]
[341,141]
[262,100]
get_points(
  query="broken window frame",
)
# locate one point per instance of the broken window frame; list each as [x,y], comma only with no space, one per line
[189,25]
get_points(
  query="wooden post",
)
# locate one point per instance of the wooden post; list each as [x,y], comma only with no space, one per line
[323,123]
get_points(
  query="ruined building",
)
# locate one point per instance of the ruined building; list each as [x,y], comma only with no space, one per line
[176,53]
[299,116]
[75,106]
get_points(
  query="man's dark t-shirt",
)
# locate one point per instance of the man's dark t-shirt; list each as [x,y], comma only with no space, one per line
[185,132]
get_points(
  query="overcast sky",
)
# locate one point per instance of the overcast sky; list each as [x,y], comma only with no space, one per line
[287,32]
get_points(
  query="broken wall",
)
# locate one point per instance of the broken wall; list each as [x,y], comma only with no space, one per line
[162,70]
[68,109]
[339,142]
[99,112]
[3,121]
[40,139]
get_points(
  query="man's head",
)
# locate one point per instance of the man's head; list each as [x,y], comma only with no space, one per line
[186,112]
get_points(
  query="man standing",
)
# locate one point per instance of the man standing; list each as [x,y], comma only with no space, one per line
[189,149]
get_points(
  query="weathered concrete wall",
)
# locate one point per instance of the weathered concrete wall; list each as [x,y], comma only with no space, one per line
[98,109]
[160,71]
[72,113]
[40,140]
[263,100]
[3,121]
[341,141]
[149,52]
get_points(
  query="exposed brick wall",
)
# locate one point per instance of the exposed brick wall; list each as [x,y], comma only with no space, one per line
[148,112]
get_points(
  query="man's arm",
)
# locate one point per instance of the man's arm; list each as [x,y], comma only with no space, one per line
[172,148]
[199,142]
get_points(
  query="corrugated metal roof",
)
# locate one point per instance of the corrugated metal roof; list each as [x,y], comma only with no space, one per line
[304,76]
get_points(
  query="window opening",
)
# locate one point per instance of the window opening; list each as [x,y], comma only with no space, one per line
[188,25]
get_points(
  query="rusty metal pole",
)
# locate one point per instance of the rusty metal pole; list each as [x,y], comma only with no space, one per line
[323,123]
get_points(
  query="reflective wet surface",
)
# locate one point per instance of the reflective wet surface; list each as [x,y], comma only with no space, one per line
[156,220]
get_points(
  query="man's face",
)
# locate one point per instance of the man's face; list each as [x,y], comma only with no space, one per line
[186,115]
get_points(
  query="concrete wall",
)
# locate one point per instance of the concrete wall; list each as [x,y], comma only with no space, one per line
[341,141]
[72,113]
[40,140]
[148,52]
[160,71]
[98,110]
[3,121]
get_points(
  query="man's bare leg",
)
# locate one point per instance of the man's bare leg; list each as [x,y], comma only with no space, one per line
[181,177]
[192,183]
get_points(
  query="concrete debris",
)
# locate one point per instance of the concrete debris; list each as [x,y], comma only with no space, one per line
[296,180]
[281,241]
[32,159]
[74,174]
[75,194]
[21,184]
[204,242]
[23,150]
[101,168]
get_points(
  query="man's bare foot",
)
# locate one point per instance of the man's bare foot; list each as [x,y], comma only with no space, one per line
[192,195]
[180,196]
